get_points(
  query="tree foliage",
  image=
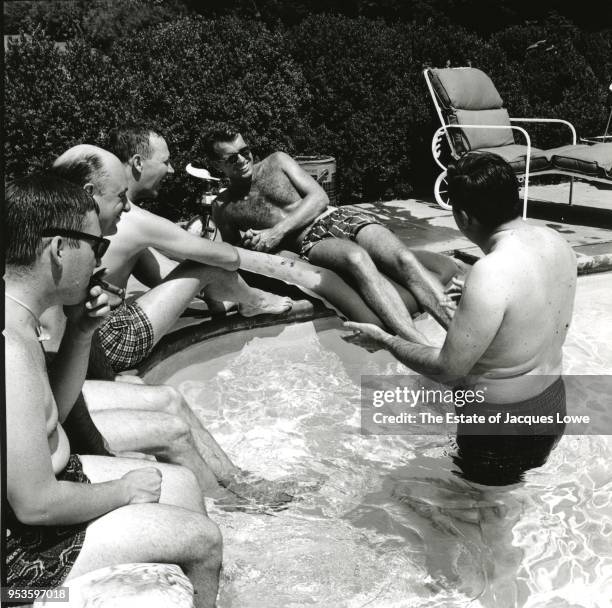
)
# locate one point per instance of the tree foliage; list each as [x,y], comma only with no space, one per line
[349,87]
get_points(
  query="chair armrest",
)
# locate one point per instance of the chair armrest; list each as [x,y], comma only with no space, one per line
[435,146]
[557,120]
[435,142]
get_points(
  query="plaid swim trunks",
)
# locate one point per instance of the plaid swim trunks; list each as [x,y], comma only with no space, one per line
[42,556]
[342,223]
[126,337]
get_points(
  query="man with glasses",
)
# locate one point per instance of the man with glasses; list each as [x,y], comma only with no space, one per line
[274,204]
[68,515]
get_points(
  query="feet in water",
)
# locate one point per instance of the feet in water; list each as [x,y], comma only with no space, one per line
[253,494]
[265,303]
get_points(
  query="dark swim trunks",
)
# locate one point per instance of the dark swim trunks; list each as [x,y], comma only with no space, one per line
[503,458]
[342,223]
[126,337]
[42,556]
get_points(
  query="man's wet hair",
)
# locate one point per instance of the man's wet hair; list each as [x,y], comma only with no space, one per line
[223,135]
[484,186]
[34,204]
[133,139]
[80,165]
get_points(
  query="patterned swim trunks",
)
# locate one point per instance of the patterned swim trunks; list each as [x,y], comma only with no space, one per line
[342,223]
[42,556]
[126,337]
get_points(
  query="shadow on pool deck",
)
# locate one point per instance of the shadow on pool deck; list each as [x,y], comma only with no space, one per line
[586,224]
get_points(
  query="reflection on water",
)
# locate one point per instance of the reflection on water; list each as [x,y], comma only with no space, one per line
[392,525]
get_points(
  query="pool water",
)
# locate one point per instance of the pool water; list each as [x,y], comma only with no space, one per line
[391,524]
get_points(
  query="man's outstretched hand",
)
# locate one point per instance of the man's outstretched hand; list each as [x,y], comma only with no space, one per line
[366,335]
[262,240]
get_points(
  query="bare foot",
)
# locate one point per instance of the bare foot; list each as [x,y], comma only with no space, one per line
[267,303]
[259,490]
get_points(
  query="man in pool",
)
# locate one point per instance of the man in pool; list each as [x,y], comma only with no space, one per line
[135,417]
[133,328]
[68,514]
[513,316]
[275,204]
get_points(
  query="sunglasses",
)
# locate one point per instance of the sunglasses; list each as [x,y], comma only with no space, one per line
[232,159]
[98,244]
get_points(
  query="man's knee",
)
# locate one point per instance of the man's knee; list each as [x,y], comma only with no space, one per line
[358,261]
[207,542]
[167,399]
[406,259]
[177,434]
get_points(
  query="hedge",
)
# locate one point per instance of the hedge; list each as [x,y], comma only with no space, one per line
[350,87]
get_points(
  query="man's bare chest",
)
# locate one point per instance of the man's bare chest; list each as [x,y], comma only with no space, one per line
[264,206]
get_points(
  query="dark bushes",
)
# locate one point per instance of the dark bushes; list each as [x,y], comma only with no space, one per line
[352,88]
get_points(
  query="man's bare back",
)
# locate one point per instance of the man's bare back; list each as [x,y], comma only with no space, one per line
[529,278]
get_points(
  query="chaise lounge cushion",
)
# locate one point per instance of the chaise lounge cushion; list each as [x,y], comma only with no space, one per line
[515,156]
[465,89]
[590,160]
[484,138]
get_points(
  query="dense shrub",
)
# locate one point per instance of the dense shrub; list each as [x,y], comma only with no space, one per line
[349,87]
[184,77]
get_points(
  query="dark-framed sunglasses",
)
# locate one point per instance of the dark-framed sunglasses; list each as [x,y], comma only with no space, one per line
[232,159]
[98,244]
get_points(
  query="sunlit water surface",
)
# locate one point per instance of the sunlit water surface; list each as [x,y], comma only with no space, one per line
[391,524]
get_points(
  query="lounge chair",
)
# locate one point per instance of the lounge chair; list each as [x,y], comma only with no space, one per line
[472,116]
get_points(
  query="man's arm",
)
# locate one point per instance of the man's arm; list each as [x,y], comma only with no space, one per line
[314,201]
[229,232]
[152,267]
[34,493]
[69,367]
[473,328]
[169,238]
[314,198]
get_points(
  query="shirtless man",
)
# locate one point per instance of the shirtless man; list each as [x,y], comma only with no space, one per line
[515,309]
[274,204]
[135,417]
[131,331]
[70,515]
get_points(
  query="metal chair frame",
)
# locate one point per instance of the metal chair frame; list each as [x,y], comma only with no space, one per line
[436,148]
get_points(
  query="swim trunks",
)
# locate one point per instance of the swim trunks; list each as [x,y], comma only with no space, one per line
[339,223]
[42,556]
[503,458]
[126,336]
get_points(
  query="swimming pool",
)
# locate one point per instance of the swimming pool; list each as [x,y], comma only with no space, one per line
[391,525]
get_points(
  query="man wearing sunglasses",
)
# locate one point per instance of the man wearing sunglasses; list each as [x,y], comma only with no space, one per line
[274,204]
[68,515]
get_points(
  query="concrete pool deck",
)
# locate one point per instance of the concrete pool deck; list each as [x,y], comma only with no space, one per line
[586,224]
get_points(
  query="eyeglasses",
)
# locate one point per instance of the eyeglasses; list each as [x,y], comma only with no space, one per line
[98,244]
[232,159]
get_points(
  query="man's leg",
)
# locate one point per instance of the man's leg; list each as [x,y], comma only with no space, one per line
[164,304]
[104,399]
[392,257]
[349,259]
[166,437]
[157,420]
[154,532]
